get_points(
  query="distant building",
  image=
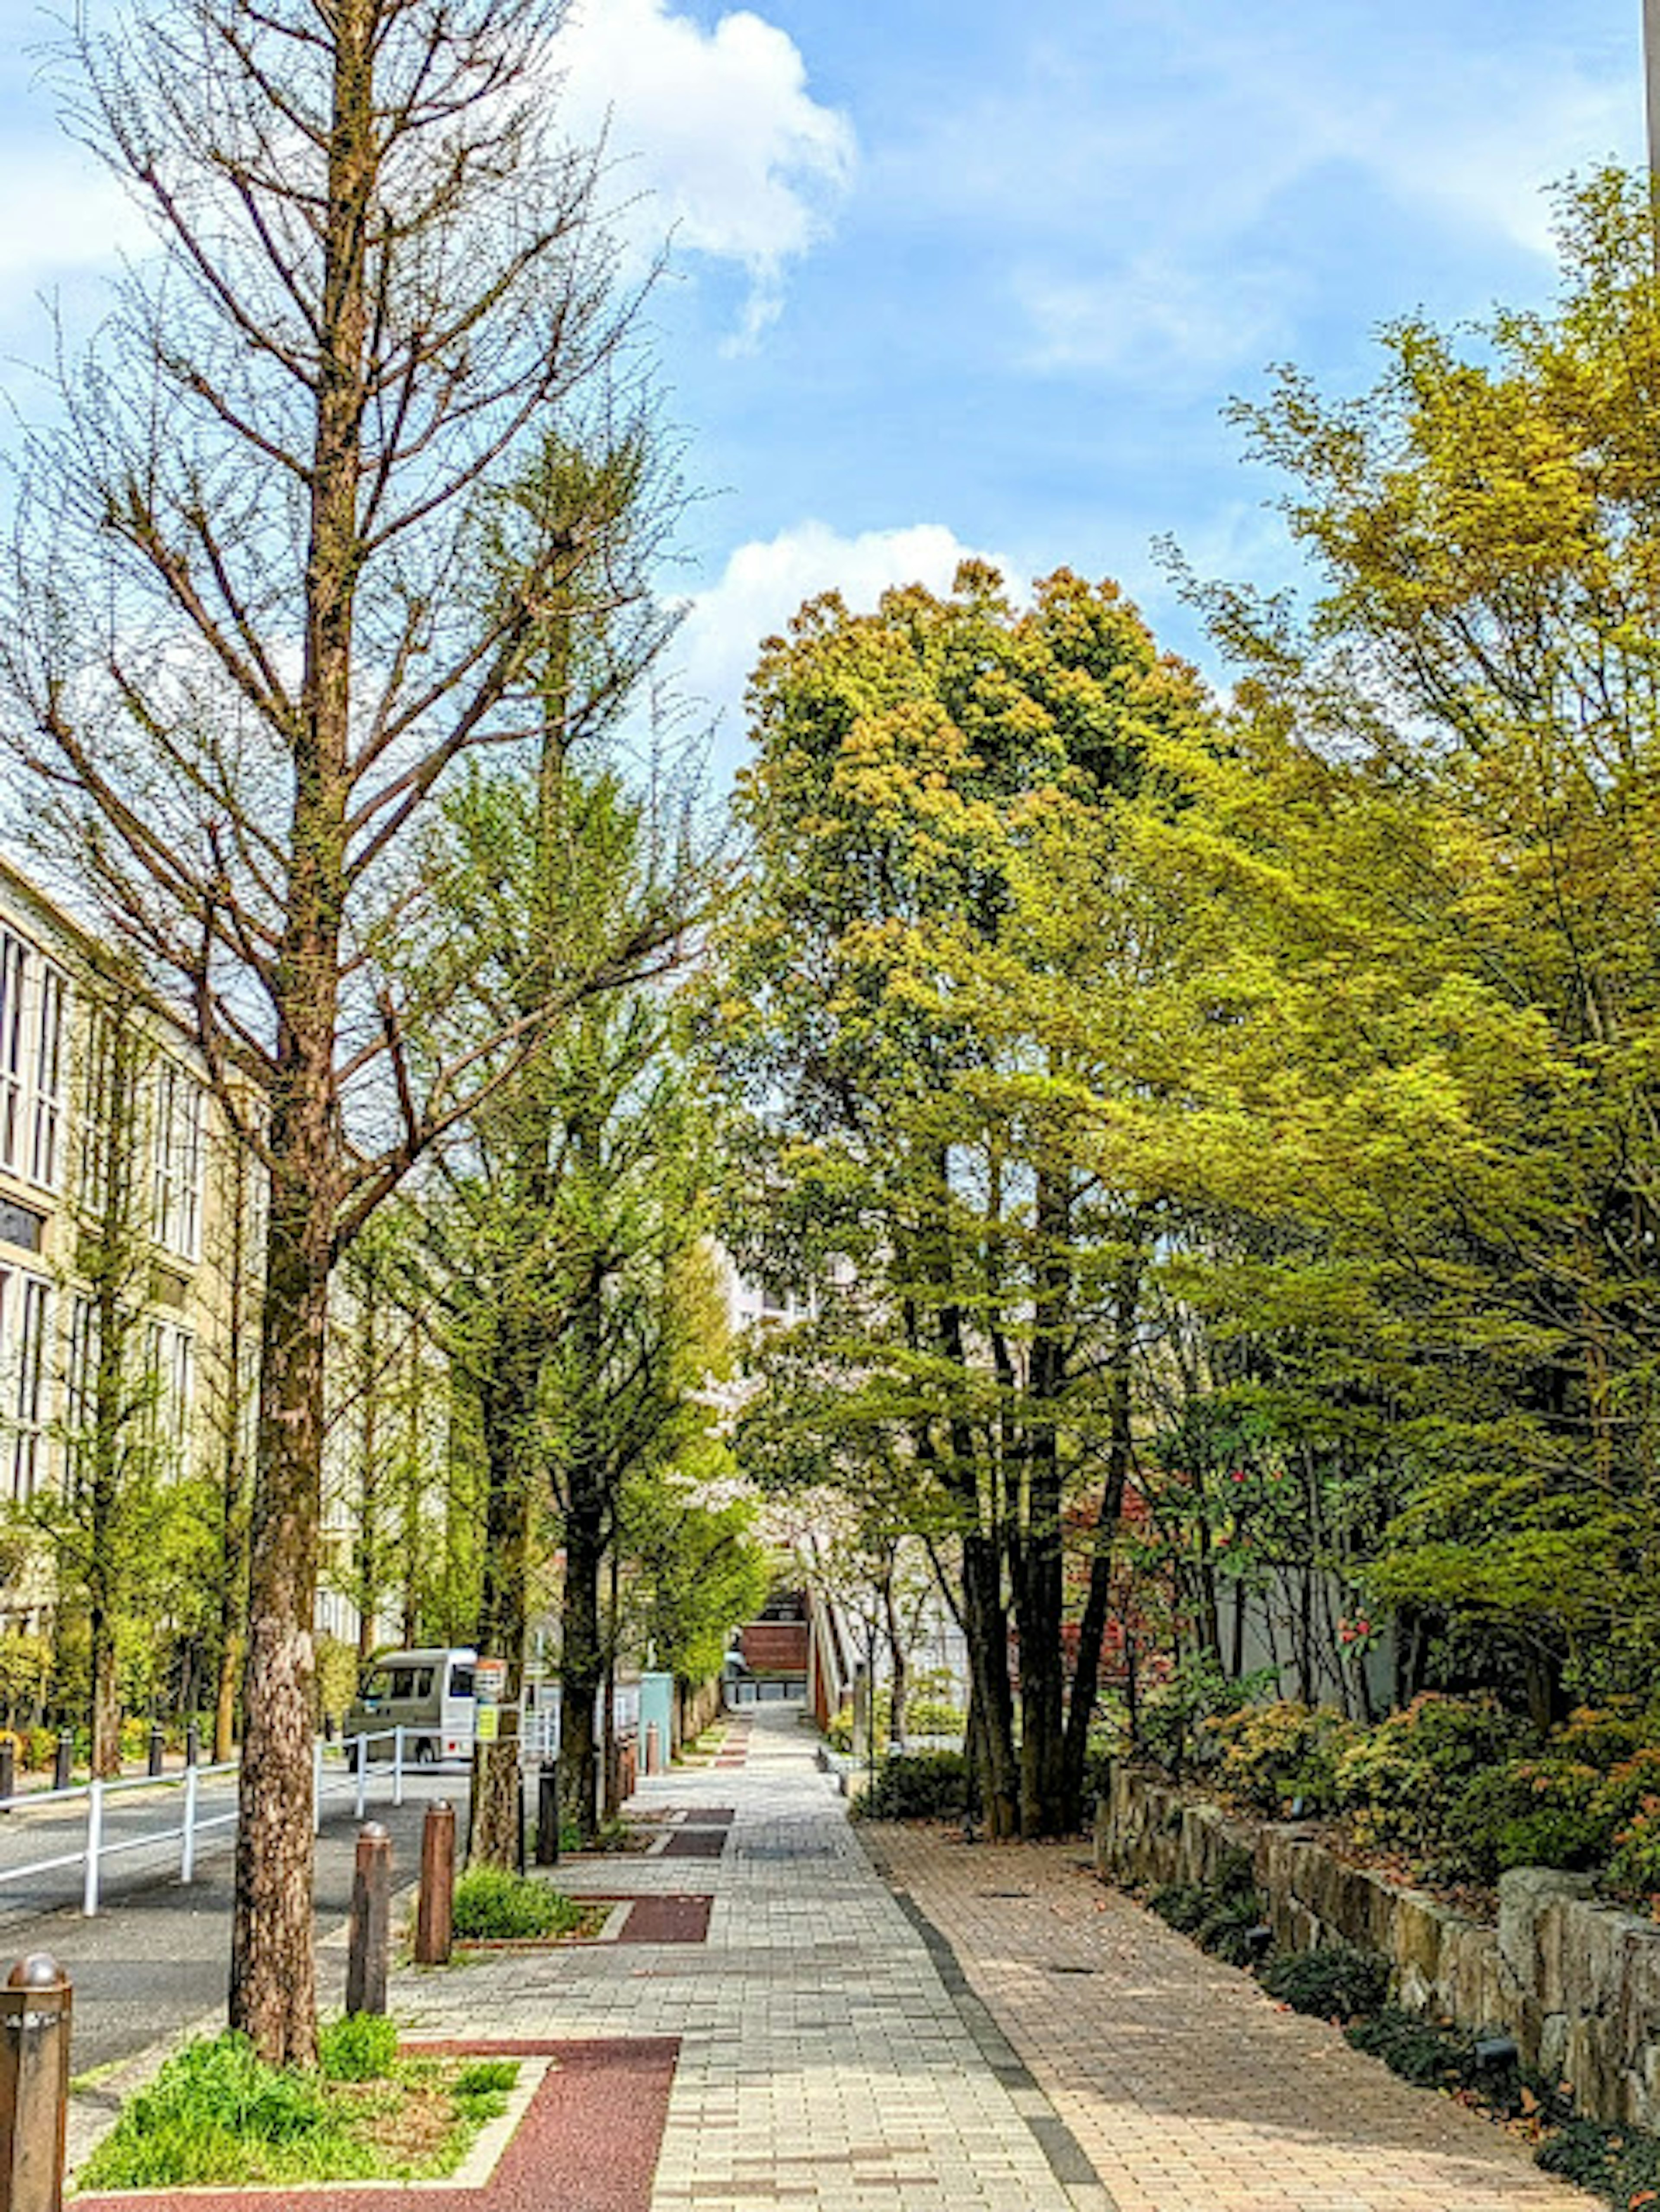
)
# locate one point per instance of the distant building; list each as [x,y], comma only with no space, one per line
[197,1212]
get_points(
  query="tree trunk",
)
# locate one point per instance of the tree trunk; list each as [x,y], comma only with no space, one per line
[1040,1583]
[985,1622]
[898,1669]
[273,1995]
[496,1837]
[1091,1632]
[273,1976]
[582,1658]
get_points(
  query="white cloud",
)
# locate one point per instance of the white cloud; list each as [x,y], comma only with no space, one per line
[1159,199]
[66,213]
[764,582]
[718,128]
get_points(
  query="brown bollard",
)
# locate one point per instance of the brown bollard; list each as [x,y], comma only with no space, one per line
[8,1771]
[371,1921]
[158,1749]
[34,2084]
[435,1915]
[653,1748]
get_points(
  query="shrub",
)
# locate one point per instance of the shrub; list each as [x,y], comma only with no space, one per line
[1218,1915]
[1634,1863]
[1623,1792]
[1421,2051]
[1274,1754]
[1601,1735]
[360,2046]
[1528,1812]
[490,1902]
[1403,1777]
[1175,1725]
[1334,1981]
[918,1785]
[934,1716]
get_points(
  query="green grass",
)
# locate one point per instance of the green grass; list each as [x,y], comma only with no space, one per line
[492,1902]
[217,2115]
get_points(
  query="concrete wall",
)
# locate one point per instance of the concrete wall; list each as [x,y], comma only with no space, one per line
[1576,1981]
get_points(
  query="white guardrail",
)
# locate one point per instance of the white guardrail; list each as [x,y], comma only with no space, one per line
[338,1770]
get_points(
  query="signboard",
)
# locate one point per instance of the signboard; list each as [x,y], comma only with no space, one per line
[490,1679]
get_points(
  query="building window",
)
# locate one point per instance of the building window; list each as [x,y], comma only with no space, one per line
[14,960]
[24,1325]
[170,1380]
[177,1162]
[32,1056]
[45,1152]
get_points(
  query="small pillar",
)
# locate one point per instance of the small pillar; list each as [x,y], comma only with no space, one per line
[35,2009]
[435,1916]
[371,1921]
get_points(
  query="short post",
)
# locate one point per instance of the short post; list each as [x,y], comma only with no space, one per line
[193,1744]
[158,1747]
[187,1827]
[328,1727]
[434,1914]
[36,2007]
[64,1761]
[547,1813]
[94,1845]
[361,1761]
[397,1764]
[653,1754]
[316,1789]
[371,1921]
[8,1771]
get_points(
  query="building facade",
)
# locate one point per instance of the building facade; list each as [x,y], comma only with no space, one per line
[121,1189]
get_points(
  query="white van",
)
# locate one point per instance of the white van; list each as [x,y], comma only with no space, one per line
[429,1694]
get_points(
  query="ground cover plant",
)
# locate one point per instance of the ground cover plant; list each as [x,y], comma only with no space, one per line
[217,2115]
[1221,1915]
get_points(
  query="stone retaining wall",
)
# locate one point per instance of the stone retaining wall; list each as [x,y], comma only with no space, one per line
[1576,1981]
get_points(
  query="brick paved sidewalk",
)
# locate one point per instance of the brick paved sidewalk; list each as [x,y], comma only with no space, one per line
[823,2065]
[1189,2090]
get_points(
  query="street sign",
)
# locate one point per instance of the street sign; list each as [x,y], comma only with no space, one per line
[490,1679]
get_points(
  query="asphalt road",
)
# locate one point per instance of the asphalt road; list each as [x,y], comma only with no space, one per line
[155,1958]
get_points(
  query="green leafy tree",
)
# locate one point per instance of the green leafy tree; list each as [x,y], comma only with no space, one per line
[934,994]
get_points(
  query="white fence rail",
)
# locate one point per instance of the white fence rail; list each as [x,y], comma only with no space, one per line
[339,1772]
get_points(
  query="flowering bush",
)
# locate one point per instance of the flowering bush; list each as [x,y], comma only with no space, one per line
[1404,1777]
[1601,1735]
[1528,1812]
[1272,1755]
[1634,1865]
[1624,1790]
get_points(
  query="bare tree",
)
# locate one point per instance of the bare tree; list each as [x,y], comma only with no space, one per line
[247,648]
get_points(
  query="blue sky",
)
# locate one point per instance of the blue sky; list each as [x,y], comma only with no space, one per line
[979,276]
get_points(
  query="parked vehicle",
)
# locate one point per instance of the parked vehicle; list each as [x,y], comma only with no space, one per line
[429,1694]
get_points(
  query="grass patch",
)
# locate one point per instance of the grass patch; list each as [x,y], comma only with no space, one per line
[217,2116]
[490,1902]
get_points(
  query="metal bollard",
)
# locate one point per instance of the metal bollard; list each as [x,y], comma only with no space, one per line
[193,1744]
[158,1747]
[36,2007]
[328,1727]
[547,1813]
[63,1764]
[371,1921]
[435,1915]
[7,1772]
[653,1748]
